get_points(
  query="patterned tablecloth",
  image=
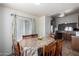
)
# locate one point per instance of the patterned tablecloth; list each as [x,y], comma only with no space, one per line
[30,46]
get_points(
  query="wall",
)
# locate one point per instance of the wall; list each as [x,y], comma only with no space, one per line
[6,29]
[1,32]
[47,25]
[37,24]
[40,25]
[68,19]
[43,25]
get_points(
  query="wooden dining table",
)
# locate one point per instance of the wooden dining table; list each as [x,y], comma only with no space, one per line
[35,43]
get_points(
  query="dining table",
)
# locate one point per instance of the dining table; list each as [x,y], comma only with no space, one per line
[35,43]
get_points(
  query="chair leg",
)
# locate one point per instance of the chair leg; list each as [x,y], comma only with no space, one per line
[61,53]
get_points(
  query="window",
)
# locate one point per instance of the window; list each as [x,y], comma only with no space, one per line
[68,29]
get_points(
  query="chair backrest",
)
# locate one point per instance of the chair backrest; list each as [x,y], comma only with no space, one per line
[51,35]
[30,36]
[26,36]
[46,51]
[58,35]
[50,49]
[59,44]
[34,35]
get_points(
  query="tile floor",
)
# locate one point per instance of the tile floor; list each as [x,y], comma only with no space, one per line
[68,51]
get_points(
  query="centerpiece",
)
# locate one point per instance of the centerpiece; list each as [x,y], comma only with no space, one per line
[40,38]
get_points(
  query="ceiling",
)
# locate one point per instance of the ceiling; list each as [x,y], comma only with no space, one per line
[44,9]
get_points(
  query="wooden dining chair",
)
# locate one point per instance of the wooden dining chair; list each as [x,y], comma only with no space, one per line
[50,49]
[17,50]
[52,45]
[40,51]
[26,36]
[51,35]
[34,35]
[59,45]
[30,36]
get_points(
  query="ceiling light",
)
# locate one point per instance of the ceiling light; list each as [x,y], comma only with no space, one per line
[69,10]
[61,15]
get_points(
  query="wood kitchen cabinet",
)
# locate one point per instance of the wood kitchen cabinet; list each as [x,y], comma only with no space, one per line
[75,43]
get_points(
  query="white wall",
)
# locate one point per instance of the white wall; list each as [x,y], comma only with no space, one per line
[34,24]
[1,32]
[43,25]
[68,19]
[5,29]
[47,24]
[37,24]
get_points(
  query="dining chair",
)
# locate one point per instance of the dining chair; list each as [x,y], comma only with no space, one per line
[59,45]
[17,50]
[34,35]
[50,49]
[30,36]
[26,36]
[40,51]
[58,35]
[51,35]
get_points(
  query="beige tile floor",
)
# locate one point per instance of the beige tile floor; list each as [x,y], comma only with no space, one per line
[68,51]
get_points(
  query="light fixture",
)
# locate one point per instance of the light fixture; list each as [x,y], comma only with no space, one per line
[61,15]
[65,22]
[69,10]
